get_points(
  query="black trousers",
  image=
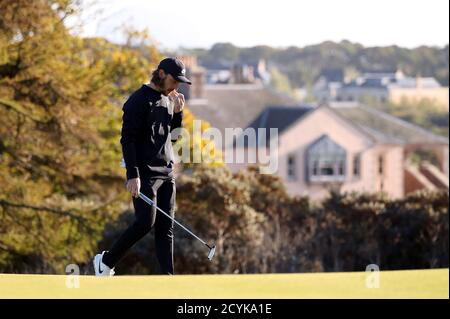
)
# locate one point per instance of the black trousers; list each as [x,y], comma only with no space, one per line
[162,192]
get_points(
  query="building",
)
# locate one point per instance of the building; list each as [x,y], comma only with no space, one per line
[352,147]
[237,77]
[196,74]
[239,73]
[235,105]
[382,87]
[328,84]
[342,145]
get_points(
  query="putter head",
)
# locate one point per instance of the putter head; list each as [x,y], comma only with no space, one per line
[212,250]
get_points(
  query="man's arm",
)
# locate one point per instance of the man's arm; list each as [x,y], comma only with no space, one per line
[131,122]
[177,119]
[177,122]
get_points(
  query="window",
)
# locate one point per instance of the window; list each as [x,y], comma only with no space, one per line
[380,165]
[291,167]
[357,165]
[341,168]
[326,161]
[316,168]
[327,169]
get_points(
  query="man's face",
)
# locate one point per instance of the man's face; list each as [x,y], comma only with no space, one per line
[169,83]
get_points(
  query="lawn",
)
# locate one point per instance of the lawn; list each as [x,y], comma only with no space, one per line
[392,284]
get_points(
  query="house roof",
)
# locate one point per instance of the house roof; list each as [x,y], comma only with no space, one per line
[385,128]
[428,82]
[332,75]
[236,105]
[279,117]
[378,126]
[390,80]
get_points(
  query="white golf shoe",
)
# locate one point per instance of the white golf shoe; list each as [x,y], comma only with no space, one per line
[100,268]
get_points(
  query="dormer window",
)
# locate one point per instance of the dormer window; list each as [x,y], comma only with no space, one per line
[326,161]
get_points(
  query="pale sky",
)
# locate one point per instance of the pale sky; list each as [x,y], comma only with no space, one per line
[278,23]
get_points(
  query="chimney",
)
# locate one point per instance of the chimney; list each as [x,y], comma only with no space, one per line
[242,73]
[189,61]
[196,74]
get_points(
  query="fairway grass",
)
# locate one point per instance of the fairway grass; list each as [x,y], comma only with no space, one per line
[392,284]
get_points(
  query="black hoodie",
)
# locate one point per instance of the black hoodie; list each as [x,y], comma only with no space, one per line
[148,119]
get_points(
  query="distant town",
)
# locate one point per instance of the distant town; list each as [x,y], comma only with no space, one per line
[336,140]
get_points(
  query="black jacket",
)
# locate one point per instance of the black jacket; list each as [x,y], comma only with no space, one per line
[148,119]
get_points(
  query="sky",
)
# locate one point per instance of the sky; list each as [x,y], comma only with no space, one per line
[277,23]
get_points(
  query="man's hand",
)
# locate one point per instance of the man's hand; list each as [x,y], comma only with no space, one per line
[134,186]
[178,99]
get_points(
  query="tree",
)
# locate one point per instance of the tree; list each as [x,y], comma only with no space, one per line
[60,125]
[60,120]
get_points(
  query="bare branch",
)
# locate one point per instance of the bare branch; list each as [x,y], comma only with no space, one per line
[47,209]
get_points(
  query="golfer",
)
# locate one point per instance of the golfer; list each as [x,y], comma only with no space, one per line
[149,115]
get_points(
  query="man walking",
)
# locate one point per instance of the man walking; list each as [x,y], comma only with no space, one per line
[149,115]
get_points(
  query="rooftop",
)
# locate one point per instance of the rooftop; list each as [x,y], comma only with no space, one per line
[236,105]
[379,126]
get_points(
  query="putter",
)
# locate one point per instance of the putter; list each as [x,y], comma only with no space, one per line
[212,249]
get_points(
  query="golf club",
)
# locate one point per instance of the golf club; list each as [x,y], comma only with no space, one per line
[212,249]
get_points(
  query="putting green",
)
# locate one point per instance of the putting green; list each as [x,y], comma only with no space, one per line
[392,284]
